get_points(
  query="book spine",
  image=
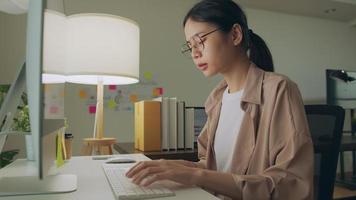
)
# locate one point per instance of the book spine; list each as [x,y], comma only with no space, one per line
[180,124]
[173,123]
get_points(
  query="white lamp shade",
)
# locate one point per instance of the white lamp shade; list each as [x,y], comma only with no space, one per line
[54,47]
[87,48]
[14,6]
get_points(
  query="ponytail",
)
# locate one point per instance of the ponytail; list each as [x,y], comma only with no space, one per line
[259,52]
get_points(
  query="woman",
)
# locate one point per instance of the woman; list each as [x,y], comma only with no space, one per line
[256,143]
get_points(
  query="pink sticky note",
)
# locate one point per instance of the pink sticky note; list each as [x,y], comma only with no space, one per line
[160,91]
[112,87]
[53,109]
[92,109]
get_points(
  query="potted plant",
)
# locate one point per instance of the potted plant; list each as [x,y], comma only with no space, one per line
[20,124]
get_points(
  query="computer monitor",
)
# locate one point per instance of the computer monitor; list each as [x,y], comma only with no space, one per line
[341,88]
[39,181]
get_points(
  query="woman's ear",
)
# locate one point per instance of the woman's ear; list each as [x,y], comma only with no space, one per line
[236,32]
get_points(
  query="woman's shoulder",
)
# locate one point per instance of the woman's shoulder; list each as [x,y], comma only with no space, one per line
[278,86]
[278,82]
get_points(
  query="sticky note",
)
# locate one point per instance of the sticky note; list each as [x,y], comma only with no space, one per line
[112,87]
[64,150]
[46,88]
[83,94]
[157,92]
[160,91]
[147,75]
[53,109]
[133,98]
[92,109]
[112,104]
[59,160]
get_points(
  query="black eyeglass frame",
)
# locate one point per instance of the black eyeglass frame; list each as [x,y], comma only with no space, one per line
[189,49]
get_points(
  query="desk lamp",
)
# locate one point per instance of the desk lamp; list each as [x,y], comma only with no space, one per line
[91,48]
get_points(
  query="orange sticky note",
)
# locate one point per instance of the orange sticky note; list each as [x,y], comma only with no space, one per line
[133,98]
[83,94]
[61,94]
[155,92]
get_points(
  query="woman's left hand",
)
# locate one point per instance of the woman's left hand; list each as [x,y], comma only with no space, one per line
[147,172]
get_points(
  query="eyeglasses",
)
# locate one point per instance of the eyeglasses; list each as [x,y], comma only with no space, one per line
[195,42]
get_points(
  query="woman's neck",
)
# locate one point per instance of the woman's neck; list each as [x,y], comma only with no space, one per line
[235,77]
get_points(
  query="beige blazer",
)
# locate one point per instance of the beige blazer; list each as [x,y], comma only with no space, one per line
[273,157]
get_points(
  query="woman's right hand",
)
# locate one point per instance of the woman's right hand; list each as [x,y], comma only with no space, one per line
[145,173]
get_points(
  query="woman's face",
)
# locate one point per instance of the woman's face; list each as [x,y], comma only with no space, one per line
[218,52]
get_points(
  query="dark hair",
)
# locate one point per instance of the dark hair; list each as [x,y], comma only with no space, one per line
[226,13]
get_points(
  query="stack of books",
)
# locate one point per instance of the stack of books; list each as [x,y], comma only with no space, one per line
[179,126]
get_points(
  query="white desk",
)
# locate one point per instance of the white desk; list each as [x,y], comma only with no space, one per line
[92,183]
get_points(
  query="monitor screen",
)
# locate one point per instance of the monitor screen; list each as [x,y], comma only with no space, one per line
[341,88]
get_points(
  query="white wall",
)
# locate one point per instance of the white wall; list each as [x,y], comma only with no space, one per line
[12,45]
[302,47]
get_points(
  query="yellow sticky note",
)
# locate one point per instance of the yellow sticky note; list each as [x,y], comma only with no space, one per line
[111,104]
[64,150]
[46,88]
[148,75]
[59,160]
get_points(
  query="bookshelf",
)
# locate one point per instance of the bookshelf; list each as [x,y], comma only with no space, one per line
[127,148]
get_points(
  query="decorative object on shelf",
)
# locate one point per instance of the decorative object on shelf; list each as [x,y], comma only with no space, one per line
[6,157]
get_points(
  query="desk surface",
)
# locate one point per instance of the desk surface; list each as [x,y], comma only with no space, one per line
[92,183]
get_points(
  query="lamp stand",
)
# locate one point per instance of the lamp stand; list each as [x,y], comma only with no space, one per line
[99,115]
[98,145]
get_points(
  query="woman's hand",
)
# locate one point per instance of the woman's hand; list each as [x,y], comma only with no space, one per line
[147,172]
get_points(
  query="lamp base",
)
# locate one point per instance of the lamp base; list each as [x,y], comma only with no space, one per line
[96,146]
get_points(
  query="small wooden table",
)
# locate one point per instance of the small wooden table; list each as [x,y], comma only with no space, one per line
[97,146]
[128,148]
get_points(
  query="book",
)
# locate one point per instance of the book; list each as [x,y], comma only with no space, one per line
[180,124]
[199,122]
[148,125]
[173,123]
[164,122]
[195,124]
[189,128]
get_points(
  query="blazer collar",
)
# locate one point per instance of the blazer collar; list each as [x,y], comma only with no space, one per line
[252,91]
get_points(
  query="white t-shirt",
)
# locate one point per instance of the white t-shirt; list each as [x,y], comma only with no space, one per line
[228,128]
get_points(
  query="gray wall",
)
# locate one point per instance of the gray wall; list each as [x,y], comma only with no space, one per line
[12,45]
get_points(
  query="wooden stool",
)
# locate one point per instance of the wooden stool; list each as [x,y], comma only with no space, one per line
[97,146]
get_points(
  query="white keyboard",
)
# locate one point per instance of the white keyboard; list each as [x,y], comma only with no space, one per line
[123,188]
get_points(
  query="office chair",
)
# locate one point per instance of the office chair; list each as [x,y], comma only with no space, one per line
[326,125]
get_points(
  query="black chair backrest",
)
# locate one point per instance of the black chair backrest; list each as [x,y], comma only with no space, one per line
[326,125]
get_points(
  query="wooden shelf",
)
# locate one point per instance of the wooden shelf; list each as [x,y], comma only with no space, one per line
[127,148]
